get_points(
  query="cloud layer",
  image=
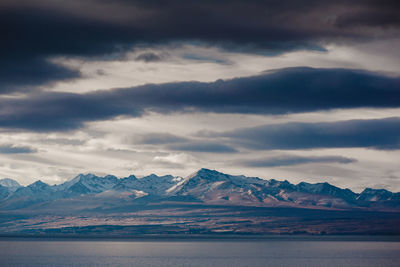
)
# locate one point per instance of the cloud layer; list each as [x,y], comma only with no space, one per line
[97,27]
[284,91]
[294,160]
[25,75]
[12,149]
[40,29]
[375,133]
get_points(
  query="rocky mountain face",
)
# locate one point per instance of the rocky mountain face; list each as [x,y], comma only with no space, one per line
[204,186]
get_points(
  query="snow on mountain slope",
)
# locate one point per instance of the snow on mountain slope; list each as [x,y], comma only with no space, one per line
[34,193]
[212,186]
[92,184]
[324,194]
[215,187]
[127,194]
[151,184]
[88,183]
[11,184]
[207,186]
[375,195]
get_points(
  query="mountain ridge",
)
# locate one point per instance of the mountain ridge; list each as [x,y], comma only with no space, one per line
[205,185]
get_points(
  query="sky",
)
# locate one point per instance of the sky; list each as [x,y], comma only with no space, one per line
[297,90]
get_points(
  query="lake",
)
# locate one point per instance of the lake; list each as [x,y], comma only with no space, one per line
[216,253]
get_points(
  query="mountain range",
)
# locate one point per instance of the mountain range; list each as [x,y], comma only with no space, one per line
[206,201]
[205,186]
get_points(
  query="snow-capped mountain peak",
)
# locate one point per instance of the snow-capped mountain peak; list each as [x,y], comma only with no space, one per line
[10,184]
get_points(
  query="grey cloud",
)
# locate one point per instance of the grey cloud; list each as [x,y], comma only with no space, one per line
[59,111]
[160,139]
[203,146]
[178,143]
[63,141]
[294,160]
[201,58]
[374,133]
[11,149]
[101,72]
[283,91]
[149,57]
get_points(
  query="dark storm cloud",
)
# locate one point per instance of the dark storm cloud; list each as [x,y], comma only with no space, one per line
[374,133]
[9,149]
[294,160]
[36,30]
[97,27]
[203,146]
[372,13]
[24,75]
[60,111]
[282,91]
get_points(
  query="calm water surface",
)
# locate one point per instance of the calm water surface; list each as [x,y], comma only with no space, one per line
[198,253]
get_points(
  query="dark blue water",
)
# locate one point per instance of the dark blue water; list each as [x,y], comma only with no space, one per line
[14,252]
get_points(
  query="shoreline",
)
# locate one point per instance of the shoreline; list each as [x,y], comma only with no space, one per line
[205,238]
